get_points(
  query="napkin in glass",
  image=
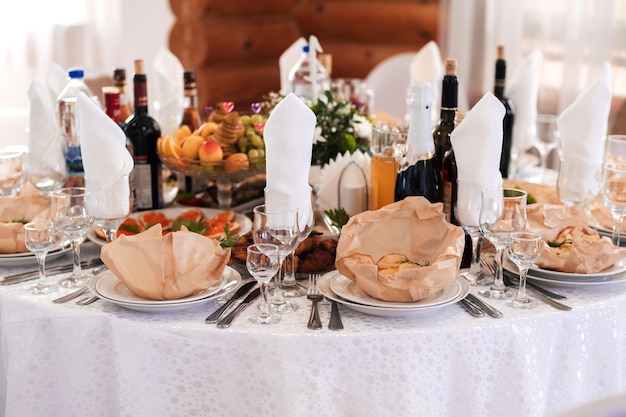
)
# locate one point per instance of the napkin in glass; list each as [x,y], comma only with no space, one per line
[477,144]
[413,227]
[427,66]
[580,250]
[287,61]
[288,138]
[106,160]
[45,156]
[522,89]
[168,95]
[170,267]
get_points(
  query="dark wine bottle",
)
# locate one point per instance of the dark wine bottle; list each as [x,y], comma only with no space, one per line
[143,131]
[418,174]
[444,154]
[509,115]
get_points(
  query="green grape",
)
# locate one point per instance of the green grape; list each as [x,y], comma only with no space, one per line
[250,132]
[253,154]
[261,153]
[245,119]
[256,141]
[256,118]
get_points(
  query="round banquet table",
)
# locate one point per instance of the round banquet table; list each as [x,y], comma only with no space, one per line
[104,360]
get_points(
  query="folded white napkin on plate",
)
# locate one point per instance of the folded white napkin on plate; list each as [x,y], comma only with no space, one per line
[106,160]
[583,125]
[427,66]
[45,145]
[522,90]
[286,62]
[168,95]
[477,144]
[351,192]
[288,138]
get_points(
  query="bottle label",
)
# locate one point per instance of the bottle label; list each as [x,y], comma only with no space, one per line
[447,199]
[143,186]
[74,161]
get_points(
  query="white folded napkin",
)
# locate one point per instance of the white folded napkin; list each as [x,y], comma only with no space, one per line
[168,96]
[56,79]
[288,138]
[286,62]
[106,160]
[477,144]
[45,146]
[427,66]
[351,191]
[522,90]
[583,125]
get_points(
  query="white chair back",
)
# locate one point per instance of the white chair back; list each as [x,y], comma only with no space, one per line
[14,122]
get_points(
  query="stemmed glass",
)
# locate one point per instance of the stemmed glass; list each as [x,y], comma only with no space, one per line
[71,217]
[12,172]
[262,263]
[467,212]
[109,205]
[615,149]
[545,137]
[578,181]
[524,251]
[39,238]
[613,191]
[502,212]
[280,228]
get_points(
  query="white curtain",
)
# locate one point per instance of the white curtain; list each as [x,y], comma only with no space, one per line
[575,37]
[71,33]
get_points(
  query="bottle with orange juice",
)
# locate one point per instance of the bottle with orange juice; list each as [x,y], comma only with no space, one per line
[387,145]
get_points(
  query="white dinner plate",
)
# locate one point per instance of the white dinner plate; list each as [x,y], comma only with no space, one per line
[245,224]
[348,290]
[109,288]
[17,259]
[606,275]
[389,311]
[615,279]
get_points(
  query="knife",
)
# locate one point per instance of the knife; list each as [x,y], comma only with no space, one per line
[471,298]
[548,300]
[513,278]
[471,308]
[227,321]
[30,275]
[215,316]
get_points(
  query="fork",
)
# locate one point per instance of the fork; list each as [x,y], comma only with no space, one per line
[314,294]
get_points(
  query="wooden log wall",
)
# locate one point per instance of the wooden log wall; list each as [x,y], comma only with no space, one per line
[234,45]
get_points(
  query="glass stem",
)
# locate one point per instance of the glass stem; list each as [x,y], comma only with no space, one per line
[290,277]
[278,297]
[477,242]
[264,311]
[521,292]
[617,228]
[77,270]
[41,263]
[109,234]
[498,283]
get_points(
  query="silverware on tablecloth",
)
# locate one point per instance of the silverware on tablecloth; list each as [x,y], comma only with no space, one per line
[88,300]
[227,321]
[335,322]
[314,294]
[487,308]
[30,275]
[471,308]
[513,279]
[548,300]
[70,296]
[240,292]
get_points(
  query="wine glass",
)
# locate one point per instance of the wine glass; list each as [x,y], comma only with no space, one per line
[109,204]
[279,227]
[306,221]
[613,191]
[502,212]
[615,149]
[71,217]
[262,263]
[578,181]
[467,212]
[12,172]
[524,251]
[545,137]
[39,238]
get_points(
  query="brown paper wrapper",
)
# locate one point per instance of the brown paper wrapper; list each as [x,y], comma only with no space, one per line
[413,227]
[169,267]
[584,250]
[28,205]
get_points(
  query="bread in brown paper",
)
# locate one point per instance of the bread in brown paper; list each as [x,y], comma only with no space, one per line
[28,205]
[410,236]
[170,267]
[570,245]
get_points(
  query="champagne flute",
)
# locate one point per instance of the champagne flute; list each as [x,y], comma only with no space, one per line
[262,263]
[502,212]
[467,212]
[39,238]
[71,217]
[613,191]
[524,251]
[109,204]
[279,228]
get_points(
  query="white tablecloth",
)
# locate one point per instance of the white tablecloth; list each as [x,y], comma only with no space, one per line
[103,360]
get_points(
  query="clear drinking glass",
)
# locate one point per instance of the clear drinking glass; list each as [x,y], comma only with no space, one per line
[12,172]
[578,181]
[280,228]
[71,217]
[524,251]
[615,149]
[39,238]
[613,191]
[467,212]
[502,213]
[109,205]
[545,137]
[262,263]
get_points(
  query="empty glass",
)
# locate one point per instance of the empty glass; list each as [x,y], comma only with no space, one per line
[262,263]
[39,238]
[109,205]
[545,137]
[12,172]
[524,251]
[578,182]
[613,191]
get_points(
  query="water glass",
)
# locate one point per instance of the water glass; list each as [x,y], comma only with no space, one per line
[545,137]
[613,191]
[39,238]
[12,172]
[262,262]
[109,204]
[615,149]
[578,181]
[524,251]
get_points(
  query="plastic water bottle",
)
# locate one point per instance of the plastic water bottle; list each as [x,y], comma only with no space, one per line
[68,123]
[302,83]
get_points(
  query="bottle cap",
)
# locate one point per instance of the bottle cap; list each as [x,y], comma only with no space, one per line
[139,66]
[500,51]
[305,48]
[421,94]
[189,77]
[119,74]
[450,66]
[76,73]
